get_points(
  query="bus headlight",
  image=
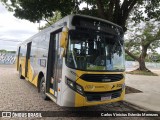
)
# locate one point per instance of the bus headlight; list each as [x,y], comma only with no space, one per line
[74,86]
[70,83]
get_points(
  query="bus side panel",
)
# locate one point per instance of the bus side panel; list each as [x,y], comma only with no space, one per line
[38,58]
[43,46]
[67,94]
[35,81]
[22,63]
[22,58]
[32,62]
[30,71]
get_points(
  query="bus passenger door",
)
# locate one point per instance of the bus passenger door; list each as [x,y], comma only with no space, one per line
[18,54]
[55,61]
[54,64]
[27,65]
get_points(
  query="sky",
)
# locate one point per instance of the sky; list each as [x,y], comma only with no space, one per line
[14,30]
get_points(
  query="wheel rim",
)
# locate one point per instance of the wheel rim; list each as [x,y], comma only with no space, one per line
[43,87]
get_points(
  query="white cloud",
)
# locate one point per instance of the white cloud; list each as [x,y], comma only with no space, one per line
[12,28]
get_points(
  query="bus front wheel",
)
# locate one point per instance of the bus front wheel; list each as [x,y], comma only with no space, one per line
[43,89]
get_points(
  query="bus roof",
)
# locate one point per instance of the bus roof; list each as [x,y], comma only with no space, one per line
[65,19]
[87,16]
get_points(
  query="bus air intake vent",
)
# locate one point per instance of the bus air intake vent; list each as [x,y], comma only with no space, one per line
[97,96]
[102,77]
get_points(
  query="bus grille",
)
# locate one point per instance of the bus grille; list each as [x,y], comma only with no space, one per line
[97,96]
[101,77]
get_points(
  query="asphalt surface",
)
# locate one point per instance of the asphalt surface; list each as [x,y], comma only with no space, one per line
[20,95]
[149,98]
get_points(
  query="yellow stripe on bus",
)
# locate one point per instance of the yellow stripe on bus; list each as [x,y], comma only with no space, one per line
[51,91]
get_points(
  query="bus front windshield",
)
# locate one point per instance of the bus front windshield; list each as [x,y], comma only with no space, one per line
[94,50]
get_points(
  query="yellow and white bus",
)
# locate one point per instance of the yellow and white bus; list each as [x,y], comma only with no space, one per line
[78,61]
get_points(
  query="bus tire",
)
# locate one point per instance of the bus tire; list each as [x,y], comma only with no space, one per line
[42,89]
[20,73]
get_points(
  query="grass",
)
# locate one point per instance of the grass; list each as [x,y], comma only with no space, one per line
[140,72]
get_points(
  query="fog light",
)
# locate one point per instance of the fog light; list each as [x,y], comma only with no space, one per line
[79,88]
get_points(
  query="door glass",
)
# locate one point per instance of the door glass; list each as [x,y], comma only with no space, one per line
[18,55]
[57,67]
[55,57]
[28,59]
[60,60]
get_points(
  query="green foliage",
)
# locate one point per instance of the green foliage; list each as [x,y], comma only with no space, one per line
[36,10]
[153,57]
[158,58]
[116,11]
[143,39]
[11,52]
[5,51]
[147,35]
[129,58]
[57,16]
[143,35]
[151,9]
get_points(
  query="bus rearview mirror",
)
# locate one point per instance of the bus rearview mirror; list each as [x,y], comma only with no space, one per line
[64,37]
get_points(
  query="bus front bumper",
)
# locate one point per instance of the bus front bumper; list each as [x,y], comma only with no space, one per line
[99,98]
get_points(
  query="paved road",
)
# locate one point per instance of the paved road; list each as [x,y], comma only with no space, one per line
[20,95]
[149,98]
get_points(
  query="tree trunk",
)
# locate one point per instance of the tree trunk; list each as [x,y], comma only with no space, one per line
[141,59]
[142,65]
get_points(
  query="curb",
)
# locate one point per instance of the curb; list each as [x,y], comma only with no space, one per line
[135,106]
[140,108]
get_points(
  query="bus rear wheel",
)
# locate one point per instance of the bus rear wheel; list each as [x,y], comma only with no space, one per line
[20,73]
[43,89]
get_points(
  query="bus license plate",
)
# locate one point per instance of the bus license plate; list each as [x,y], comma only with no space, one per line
[105,98]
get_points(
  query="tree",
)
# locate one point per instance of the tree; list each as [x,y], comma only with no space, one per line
[52,20]
[112,10]
[116,11]
[3,50]
[142,38]
[154,57]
